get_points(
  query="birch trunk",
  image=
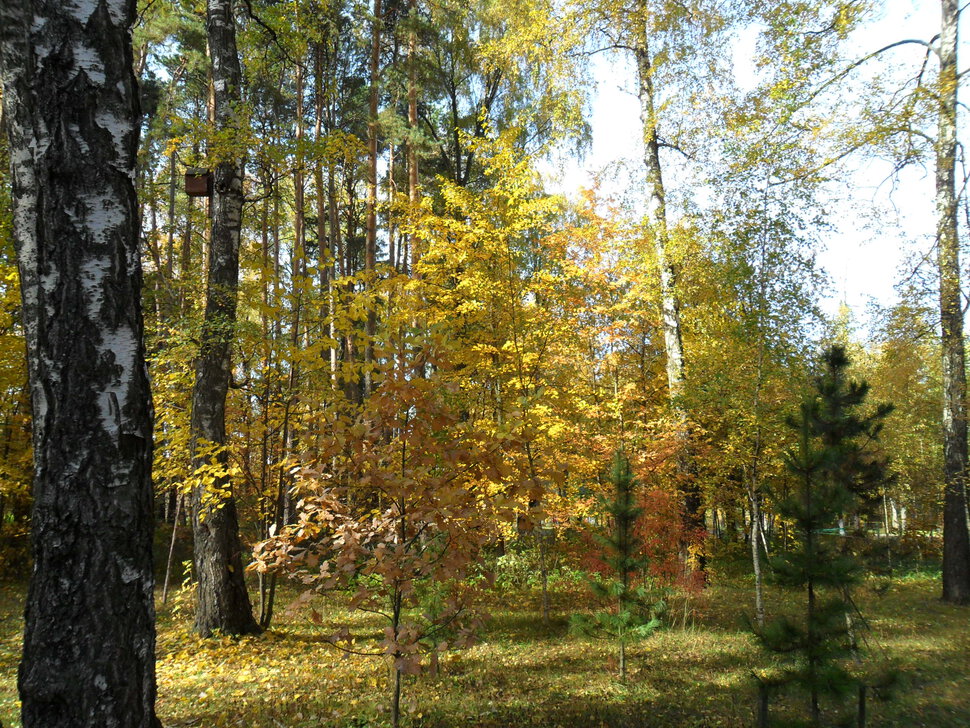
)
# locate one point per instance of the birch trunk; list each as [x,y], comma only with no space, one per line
[222,600]
[759,599]
[70,111]
[669,303]
[956,544]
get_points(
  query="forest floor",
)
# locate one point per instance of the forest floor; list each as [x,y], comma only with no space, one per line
[523,672]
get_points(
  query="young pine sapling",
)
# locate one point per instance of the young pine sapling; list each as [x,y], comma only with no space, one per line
[630,616]
[836,472]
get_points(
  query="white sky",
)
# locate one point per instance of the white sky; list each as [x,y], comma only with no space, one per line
[879,225]
[885,220]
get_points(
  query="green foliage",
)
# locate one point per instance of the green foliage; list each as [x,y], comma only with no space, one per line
[520,567]
[836,472]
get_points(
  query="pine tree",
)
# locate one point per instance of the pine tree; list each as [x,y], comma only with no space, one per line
[633,618]
[836,475]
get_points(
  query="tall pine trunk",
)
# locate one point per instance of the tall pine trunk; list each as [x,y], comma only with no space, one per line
[412,145]
[370,246]
[222,600]
[956,544]
[71,113]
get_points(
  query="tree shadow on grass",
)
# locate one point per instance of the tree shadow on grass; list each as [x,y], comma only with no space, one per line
[517,627]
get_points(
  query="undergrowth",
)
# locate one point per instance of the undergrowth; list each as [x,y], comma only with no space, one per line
[532,674]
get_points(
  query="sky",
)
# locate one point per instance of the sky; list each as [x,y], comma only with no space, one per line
[879,227]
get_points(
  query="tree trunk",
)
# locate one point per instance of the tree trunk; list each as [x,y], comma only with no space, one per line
[543,573]
[811,636]
[223,602]
[412,146]
[71,113]
[370,248]
[324,252]
[185,259]
[298,280]
[171,547]
[336,266]
[669,303]
[170,245]
[622,656]
[956,544]
[762,705]
[759,600]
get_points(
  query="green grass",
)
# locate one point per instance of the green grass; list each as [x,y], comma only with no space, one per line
[525,673]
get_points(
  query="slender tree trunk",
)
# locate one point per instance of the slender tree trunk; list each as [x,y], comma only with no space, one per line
[289,441]
[762,705]
[412,147]
[324,254]
[543,572]
[759,599]
[956,543]
[170,246]
[336,262]
[669,303]
[185,261]
[298,279]
[299,195]
[370,248]
[171,547]
[223,603]
[622,656]
[397,606]
[152,244]
[396,672]
[71,114]
[336,266]
[391,194]
[811,628]
[267,504]
[370,251]
[754,479]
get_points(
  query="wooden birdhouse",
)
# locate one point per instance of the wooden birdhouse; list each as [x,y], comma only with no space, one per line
[198,182]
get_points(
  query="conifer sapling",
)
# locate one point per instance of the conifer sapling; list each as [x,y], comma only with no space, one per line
[835,474]
[631,617]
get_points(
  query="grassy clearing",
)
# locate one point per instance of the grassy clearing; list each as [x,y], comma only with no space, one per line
[525,673]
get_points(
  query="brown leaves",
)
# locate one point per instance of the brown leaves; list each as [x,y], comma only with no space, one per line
[299,603]
[398,508]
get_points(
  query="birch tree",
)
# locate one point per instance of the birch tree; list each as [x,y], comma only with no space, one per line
[669,298]
[956,542]
[71,110]
[897,118]
[663,40]
[901,122]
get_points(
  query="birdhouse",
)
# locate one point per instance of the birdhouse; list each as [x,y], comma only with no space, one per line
[198,182]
